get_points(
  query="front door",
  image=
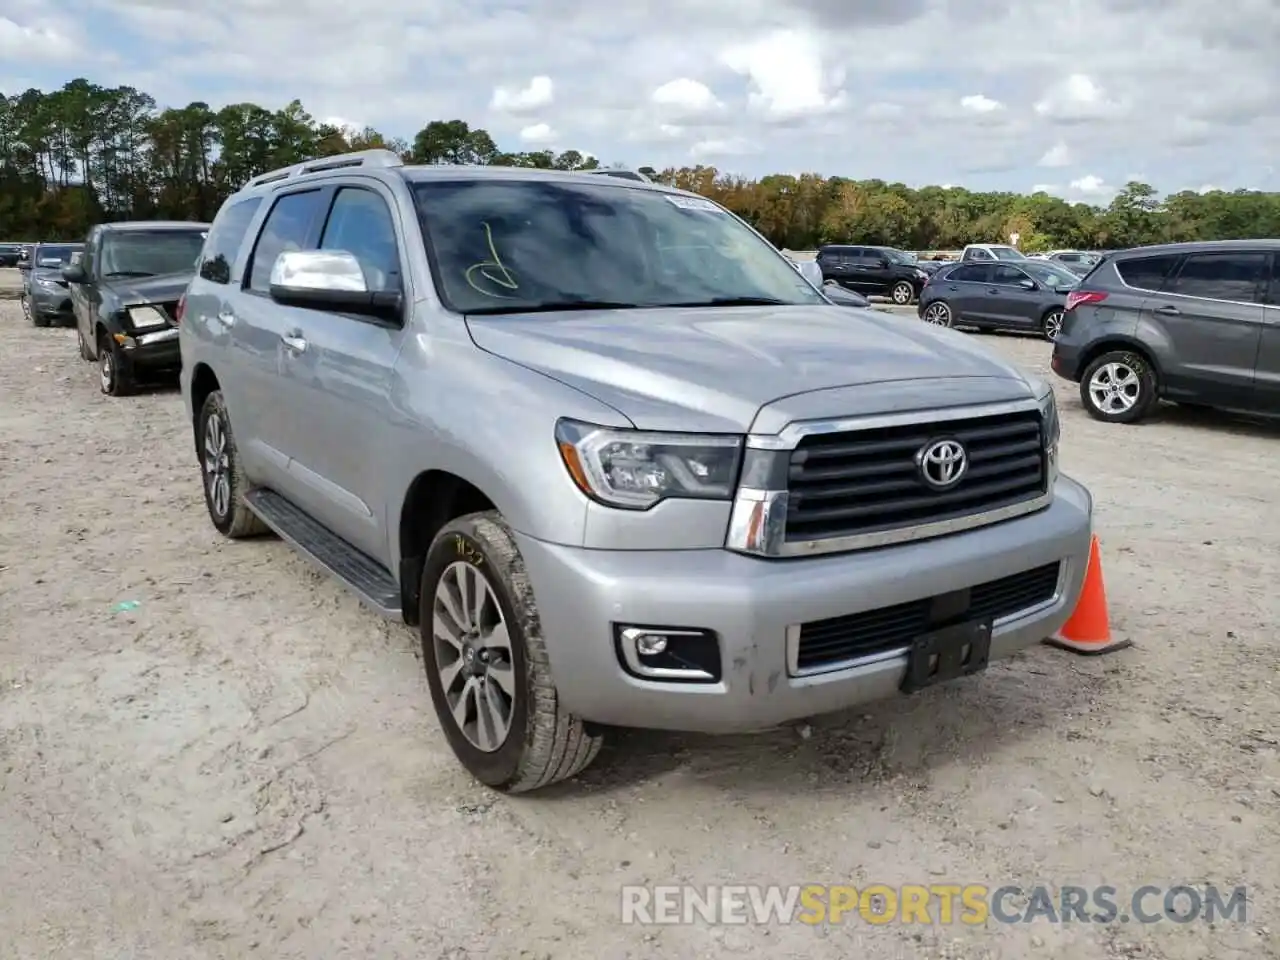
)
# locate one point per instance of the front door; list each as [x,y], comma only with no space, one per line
[84,296]
[342,373]
[1007,302]
[1211,316]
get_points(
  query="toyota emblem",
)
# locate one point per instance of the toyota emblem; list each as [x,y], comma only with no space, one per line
[942,463]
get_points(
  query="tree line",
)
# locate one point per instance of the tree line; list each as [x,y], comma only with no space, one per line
[85,154]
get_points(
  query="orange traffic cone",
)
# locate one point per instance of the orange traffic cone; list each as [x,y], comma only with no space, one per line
[1088,630]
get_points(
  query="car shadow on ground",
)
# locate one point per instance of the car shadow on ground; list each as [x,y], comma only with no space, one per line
[958,722]
[1220,421]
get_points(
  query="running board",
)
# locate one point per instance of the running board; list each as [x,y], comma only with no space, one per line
[372,584]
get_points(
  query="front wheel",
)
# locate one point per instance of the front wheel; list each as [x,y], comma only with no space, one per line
[902,293]
[487,664]
[1118,387]
[113,376]
[939,314]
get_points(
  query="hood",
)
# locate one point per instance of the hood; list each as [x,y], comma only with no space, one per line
[139,290]
[709,369]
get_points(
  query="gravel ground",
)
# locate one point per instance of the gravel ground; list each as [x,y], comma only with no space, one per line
[245,764]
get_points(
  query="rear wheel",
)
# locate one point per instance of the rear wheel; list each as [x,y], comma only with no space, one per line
[939,314]
[487,664]
[1051,324]
[1119,387]
[902,293]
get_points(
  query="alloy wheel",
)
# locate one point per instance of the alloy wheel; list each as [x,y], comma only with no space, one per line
[473,656]
[939,314]
[902,294]
[1053,325]
[1115,388]
[217,466]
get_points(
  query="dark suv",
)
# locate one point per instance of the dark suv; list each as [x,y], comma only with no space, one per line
[873,270]
[1197,323]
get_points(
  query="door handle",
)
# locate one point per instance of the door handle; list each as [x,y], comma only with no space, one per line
[226,318]
[293,342]
[1167,310]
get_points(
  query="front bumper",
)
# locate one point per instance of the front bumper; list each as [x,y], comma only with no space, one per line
[755,608]
[55,304]
[151,350]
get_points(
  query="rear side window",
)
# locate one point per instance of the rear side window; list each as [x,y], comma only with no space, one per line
[1222,276]
[1146,273]
[225,237]
[969,273]
[287,228]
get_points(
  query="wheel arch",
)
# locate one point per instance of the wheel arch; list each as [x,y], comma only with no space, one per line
[1094,351]
[203,382]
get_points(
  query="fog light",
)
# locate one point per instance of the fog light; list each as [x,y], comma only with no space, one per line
[680,654]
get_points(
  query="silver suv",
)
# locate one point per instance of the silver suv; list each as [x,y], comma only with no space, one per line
[617,461]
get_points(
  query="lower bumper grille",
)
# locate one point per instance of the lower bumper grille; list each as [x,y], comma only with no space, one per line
[824,643]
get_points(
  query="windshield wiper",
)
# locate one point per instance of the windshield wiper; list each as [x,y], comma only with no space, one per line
[555,306]
[732,302]
[127,273]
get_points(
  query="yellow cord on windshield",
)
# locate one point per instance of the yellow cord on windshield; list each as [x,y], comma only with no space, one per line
[507,280]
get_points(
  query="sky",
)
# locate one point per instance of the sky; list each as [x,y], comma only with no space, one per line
[1074,97]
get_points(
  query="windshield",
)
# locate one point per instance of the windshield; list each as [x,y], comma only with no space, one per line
[54,253]
[1051,276]
[149,253]
[1007,253]
[512,246]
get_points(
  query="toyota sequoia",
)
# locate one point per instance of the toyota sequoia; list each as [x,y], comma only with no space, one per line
[612,456]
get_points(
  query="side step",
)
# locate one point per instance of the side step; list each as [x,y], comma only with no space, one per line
[375,587]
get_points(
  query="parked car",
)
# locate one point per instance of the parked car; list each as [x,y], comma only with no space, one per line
[809,269]
[1026,295]
[881,271]
[24,256]
[46,296]
[9,254]
[992,251]
[616,460]
[1197,323]
[842,296]
[125,291]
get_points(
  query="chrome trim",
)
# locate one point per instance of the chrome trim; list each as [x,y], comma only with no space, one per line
[855,663]
[791,435]
[630,635]
[765,512]
[157,337]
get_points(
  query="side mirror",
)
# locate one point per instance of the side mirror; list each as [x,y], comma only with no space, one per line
[74,273]
[330,280]
[1028,285]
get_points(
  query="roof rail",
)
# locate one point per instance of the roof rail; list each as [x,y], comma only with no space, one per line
[359,158]
[620,174]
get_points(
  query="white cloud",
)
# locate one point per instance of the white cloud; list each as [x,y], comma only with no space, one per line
[1091,185]
[977,103]
[1208,188]
[683,96]
[1059,155]
[35,41]
[537,134]
[538,94]
[734,147]
[1075,99]
[342,123]
[786,75]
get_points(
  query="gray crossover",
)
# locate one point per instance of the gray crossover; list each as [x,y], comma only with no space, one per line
[613,456]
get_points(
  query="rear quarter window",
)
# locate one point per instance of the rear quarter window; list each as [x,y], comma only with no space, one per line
[225,237]
[1147,273]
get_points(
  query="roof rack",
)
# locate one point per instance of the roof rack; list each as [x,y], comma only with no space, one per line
[360,158]
[620,174]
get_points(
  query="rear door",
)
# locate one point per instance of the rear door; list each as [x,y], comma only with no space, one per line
[965,290]
[343,378]
[267,418]
[1266,375]
[1210,315]
[871,270]
[833,262]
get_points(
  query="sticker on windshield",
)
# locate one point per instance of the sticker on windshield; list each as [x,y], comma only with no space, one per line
[692,203]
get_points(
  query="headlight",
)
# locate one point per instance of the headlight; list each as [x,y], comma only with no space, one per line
[46,284]
[635,470]
[1052,426]
[921,275]
[144,318]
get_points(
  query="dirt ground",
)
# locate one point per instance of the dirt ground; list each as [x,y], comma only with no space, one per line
[245,764]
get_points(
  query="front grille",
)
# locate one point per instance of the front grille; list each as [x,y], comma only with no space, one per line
[838,639]
[867,481]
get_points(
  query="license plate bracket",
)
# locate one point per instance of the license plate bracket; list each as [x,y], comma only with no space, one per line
[948,653]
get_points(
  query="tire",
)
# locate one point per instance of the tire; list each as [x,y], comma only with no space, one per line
[938,314]
[902,293]
[1051,323]
[217,448]
[543,743]
[1134,401]
[113,377]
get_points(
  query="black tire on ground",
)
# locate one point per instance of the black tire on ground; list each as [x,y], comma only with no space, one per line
[1119,366]
[113,376]
[1051,323]
[902,293]
[544,744]
[217,446]
[939,314]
